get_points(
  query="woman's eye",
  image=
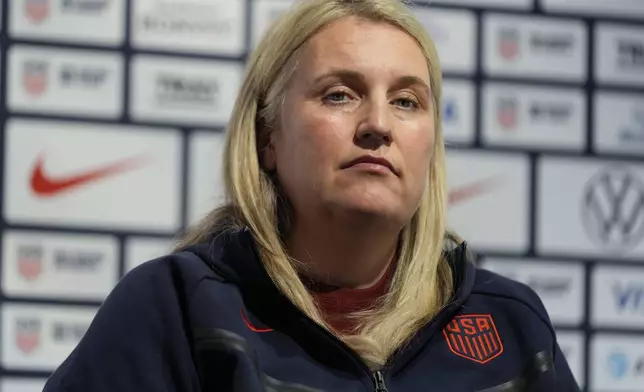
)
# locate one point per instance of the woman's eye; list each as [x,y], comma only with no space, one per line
[337,97]
[407,103]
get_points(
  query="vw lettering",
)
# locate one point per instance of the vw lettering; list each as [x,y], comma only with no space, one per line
[630,54]
[629,297]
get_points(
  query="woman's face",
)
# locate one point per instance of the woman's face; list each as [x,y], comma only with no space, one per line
[356,131]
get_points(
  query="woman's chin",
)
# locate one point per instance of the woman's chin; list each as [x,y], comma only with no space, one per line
[371,208]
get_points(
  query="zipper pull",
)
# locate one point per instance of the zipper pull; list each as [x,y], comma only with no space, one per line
[379,382]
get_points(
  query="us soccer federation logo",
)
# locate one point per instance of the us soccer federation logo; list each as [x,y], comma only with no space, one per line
[508,43]
[36,10]
[30,261]
[473,337]
[27,336]
[507,112]
[34,76]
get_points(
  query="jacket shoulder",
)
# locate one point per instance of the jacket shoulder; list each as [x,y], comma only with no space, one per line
[525,322]
[185,268]
[491,285]
[138,333]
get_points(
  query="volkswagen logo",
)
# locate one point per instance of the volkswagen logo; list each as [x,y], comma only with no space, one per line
[612,209]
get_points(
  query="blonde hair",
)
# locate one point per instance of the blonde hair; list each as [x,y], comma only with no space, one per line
[422,283]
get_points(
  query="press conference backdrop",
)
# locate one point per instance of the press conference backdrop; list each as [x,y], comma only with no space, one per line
[113,115]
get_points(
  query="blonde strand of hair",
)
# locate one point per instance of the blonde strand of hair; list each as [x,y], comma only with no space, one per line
[422,283]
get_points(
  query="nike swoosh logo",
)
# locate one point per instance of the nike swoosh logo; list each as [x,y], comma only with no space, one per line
[45,185]
[463,193]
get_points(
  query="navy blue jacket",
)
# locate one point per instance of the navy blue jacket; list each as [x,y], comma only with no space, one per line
[209,319]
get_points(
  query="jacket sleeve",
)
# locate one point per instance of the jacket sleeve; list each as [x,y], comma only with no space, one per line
[136,342]
[562,379]
[565,380]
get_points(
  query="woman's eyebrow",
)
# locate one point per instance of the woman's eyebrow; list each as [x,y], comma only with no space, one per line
[347,74]
[342,74]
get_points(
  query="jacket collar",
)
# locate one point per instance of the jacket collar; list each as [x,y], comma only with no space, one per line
[234,256]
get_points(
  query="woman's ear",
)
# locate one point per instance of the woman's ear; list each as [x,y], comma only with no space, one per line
[267,157]
[270,163]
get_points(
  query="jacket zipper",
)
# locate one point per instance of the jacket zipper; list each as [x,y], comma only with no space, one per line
[379,382]
[377,377]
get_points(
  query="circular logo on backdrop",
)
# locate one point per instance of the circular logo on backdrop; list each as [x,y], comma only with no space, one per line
[612,209]
[617,365]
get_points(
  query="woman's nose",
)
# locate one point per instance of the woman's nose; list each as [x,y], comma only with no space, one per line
[375,129]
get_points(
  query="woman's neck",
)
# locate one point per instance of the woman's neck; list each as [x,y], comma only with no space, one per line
[344,255]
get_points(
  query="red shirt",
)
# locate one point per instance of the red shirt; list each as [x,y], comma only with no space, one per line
[336,302]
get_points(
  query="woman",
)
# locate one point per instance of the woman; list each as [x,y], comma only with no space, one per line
[330,268]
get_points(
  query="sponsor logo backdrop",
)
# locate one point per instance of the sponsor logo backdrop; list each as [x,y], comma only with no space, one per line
[113,114]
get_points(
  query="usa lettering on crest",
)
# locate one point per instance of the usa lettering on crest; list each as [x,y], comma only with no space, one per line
[474,337]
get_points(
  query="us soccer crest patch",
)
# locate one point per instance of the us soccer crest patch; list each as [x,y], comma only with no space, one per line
[474,337]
